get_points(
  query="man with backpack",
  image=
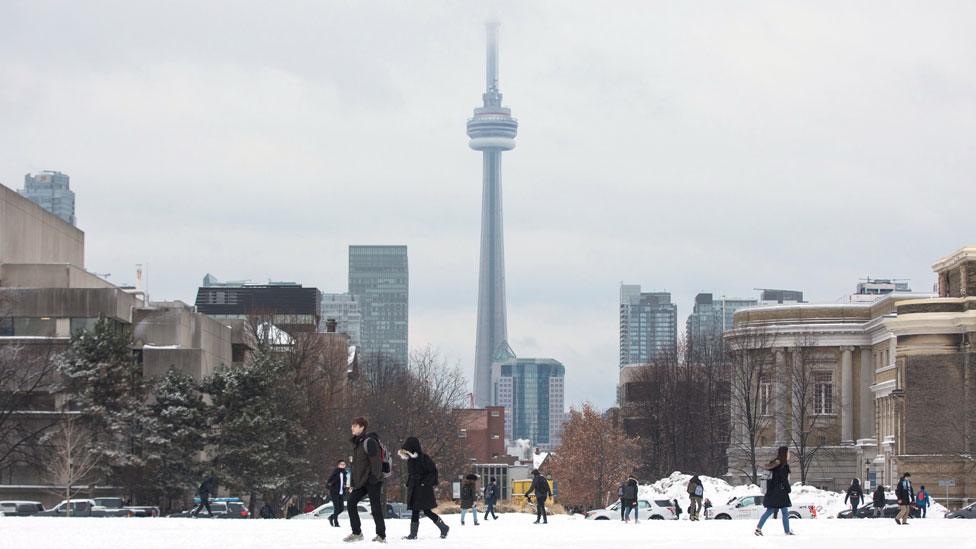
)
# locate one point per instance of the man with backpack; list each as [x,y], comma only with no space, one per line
[696,491]
[370,466]
[491,498]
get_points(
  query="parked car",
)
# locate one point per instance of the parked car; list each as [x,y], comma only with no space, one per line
[657,509]
[82,508]
[967,512]
[397,510]
[223,508]
[20,508]
[324,511]
[134,510]
[890,509]
[751,507]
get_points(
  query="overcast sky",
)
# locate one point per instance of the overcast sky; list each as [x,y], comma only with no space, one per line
[685,146]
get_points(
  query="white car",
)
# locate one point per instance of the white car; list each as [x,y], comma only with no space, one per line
[658,509]
[324,511]
[751,507]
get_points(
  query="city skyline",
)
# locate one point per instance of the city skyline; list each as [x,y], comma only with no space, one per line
[770,151]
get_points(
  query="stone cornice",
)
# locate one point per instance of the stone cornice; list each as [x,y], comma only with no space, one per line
[956,258]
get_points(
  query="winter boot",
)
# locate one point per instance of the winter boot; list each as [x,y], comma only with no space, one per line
[414,526]
[353,537]
[443,528]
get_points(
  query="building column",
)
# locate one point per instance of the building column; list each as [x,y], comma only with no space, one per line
[779,396]
[866,427]
[795,418]
[847,395]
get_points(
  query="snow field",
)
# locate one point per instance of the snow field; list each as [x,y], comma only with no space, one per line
[512,530]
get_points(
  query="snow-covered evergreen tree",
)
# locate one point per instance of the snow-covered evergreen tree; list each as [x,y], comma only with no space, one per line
[175,436]
[103,381]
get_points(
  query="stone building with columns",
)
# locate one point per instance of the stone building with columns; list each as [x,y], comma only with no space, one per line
[894,384]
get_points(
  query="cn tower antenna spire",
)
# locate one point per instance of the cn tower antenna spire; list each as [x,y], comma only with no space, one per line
[491,67]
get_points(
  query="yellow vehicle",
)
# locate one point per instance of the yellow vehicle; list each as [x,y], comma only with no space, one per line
[520,487]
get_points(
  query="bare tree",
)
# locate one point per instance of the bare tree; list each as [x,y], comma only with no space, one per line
[811,403]
[750,358]
[71,459]
[27,375]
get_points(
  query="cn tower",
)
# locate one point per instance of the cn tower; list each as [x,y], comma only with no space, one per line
[492,130]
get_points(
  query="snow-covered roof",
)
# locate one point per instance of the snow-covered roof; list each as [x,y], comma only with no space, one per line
[538,459]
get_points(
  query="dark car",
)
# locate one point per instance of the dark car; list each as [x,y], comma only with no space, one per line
[967,512]
[890,509]
[20,508]
[117,503]
[225,508]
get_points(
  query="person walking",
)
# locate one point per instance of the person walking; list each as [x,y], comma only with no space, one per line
[677,509]
[367,480]
[540,486]
[777,491]
[696,491]
[629,499]
[491,498]
[468,494]
[338,485]
[421,482]
[620,498]
[292,509]
[266,511]
[879,501]
[207,488]
[854,495]
[906,497]
[923,501]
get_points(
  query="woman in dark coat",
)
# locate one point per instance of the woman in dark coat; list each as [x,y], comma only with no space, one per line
[421,481]
[855,495]
[777,496]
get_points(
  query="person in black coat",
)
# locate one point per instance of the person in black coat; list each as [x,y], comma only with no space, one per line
[778,491]
[491,498]
[207,488]
[421,481]
[469,492]
[629,500]
[542,492]
[855,495]
[338,485]
[879,501]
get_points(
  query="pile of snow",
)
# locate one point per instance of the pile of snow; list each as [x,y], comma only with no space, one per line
[828,503]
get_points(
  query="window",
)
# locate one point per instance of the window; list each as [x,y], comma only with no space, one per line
[823,393]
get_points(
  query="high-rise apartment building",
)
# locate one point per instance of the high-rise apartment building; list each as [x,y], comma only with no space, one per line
[51,191]
[648,325]
[344,310]
[711,317]
[379,282]
[532,392]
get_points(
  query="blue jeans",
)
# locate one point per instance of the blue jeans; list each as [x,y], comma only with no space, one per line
[784,512]
[474,513]
[628,507]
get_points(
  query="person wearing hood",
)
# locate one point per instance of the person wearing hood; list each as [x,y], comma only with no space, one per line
[855,495]
[421,482]
[696,491]
[542,492]
[468,491]
[628,501]
[879,501]
[367,480]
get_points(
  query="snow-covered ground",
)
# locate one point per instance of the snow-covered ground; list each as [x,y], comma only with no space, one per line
[719,492]
[511,530]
